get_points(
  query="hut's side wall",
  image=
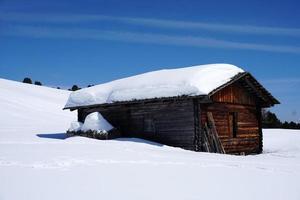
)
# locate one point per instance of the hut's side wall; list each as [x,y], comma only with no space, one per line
[248,134]
[236,100]
[167,122]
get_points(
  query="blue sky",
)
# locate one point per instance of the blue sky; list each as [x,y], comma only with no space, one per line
[62,43]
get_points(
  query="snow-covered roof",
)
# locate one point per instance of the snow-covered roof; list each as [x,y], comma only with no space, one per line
[190,81]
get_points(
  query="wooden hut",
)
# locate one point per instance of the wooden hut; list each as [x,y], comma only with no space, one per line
[227,119]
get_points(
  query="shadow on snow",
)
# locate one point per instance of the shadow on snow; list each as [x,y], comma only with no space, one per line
[58,136]
[138,140]
[63,136]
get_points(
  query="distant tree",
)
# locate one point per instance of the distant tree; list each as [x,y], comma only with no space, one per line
[285,125]
[37,83]
[293,125]
[58,88]
[270,120]
[90,85]
[74,88]
[27,80]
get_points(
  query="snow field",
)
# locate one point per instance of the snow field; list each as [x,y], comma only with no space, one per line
[38,162]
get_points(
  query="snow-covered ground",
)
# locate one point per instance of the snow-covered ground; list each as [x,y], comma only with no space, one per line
[38,162]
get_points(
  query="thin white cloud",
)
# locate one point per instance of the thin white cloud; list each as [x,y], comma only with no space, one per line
[284,86]
[158,23]
[53,18]
[230,28]
[136,37]
[289,81]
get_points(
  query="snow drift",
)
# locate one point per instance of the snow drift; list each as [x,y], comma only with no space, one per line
[96,122]
[75,126]
[191,81]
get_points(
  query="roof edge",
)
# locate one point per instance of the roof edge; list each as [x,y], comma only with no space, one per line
[270,98]
[204,98]
[233,79]
[271,101]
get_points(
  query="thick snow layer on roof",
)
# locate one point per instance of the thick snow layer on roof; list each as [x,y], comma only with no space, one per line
[191,81]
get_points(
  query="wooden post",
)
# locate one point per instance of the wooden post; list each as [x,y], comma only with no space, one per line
[214,134]
[259,118]
[197,137]
[206,142]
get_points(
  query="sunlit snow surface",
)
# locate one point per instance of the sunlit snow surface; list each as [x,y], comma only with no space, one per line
[38,162]
[191,81]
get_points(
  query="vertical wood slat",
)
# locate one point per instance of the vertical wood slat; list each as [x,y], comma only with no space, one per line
[211,141]
[216,139]
[236,94]
[197,125]
[259,118]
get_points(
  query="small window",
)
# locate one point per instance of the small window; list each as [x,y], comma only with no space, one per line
[233,124]
[149,125]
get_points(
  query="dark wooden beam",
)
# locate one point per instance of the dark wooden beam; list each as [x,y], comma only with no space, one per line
[258,92]
[259,118]
[201,98]
[197,125]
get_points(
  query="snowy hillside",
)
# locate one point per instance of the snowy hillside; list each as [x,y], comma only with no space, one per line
[38,162]
[31,109]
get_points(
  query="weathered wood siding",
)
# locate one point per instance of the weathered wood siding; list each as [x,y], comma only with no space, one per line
[236,94]
[179,122]
[167,122]
[248,134]
[235,99]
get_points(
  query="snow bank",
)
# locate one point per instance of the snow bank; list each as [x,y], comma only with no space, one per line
[75,126]
[96,122]
[196,80]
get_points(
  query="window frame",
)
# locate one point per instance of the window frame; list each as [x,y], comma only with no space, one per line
[233,124]
[149,125]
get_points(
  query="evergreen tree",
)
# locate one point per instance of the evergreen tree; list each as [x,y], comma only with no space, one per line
[27,80]
[37,83]
[285,125]
[74,88]
[292,125]
[270,120]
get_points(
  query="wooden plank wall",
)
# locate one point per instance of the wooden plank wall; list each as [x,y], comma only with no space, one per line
[235,98]
[235,94]
[167,122]
[247,139]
